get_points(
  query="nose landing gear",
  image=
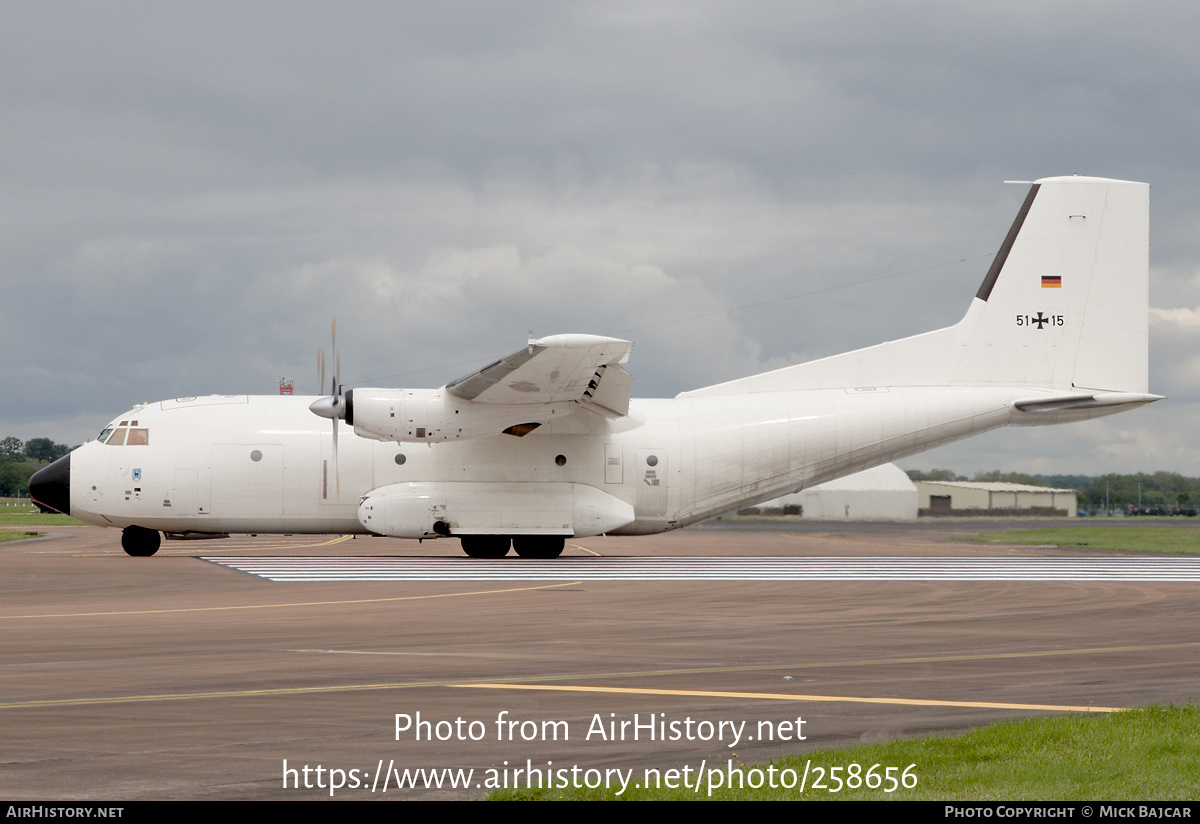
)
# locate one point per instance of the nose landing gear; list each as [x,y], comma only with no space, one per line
[139,541]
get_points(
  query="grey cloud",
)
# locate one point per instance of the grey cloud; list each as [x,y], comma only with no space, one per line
[191,192]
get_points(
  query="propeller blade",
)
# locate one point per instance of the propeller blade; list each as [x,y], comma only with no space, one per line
[333,406]
[337,478]
[336,358]
[320,368]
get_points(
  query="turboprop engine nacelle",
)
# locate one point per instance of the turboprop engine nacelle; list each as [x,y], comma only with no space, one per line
[431,415]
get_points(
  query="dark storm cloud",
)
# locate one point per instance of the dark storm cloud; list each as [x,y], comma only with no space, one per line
[191,191]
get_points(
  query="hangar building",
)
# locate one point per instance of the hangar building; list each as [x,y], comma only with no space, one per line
[949,498]
[883,492]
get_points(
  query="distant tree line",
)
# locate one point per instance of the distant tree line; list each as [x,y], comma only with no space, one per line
[19,460]
[1163,491]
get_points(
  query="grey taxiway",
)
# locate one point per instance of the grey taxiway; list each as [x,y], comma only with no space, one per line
[187,676]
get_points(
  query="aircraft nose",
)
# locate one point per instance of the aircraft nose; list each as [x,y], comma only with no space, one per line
[51,485]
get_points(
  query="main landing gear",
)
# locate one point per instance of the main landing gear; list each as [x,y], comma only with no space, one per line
[527,546]
[485,546]
[539,546]
[139,541]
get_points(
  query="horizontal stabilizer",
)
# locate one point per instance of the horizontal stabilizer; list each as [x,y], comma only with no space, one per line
[1116,401]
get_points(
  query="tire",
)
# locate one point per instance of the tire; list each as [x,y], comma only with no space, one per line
[539,546]
[140,542]
[485,546]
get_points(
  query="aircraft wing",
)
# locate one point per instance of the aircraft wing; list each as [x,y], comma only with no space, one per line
[558,369]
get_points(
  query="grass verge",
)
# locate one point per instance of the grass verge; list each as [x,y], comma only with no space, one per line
[20,512]
[36,518]
[1128,539]
[18,536]
[1147,753]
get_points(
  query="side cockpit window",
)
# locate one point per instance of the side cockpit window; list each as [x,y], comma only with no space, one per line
[126,433]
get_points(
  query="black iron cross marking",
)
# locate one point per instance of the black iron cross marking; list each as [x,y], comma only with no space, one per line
[1040,320]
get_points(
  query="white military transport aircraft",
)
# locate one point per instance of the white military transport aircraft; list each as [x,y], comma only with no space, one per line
[546,444]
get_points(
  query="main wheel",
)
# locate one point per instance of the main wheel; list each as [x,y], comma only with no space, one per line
[140,542]
[485,546]
[539,546]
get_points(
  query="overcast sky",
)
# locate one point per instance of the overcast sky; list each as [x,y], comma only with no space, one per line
[191,191]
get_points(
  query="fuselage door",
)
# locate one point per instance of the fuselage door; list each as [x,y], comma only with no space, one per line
[651,479]
[614,470]
[186,497]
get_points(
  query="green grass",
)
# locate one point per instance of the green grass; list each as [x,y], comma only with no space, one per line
[20,512]
[1129,539]
[1151,752]
[18,536]
[35,518]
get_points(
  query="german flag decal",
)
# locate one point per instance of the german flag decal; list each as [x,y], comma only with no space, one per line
[1051,281]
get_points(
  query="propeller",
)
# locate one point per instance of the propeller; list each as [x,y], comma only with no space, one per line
[334,406]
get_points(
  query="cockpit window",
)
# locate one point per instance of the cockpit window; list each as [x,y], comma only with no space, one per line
[104,435]
[126,437]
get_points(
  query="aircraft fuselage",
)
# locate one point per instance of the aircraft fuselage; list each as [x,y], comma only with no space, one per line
[266,463]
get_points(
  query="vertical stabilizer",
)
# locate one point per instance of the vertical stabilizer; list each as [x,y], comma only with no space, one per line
[1064,306]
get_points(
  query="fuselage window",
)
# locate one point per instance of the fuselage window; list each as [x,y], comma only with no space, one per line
[118,437]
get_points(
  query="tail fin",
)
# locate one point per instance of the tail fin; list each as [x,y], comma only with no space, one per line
[1064,306]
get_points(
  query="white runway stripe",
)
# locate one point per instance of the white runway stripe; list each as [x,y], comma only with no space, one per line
[1124,569]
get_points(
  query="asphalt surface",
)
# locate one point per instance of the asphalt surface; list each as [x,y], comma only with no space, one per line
[176,678]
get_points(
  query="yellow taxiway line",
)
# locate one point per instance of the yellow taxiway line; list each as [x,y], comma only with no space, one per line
[515,683]
[293,604]
[784,696]
[740,696]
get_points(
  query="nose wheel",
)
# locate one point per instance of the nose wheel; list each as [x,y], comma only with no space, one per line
[139,541]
